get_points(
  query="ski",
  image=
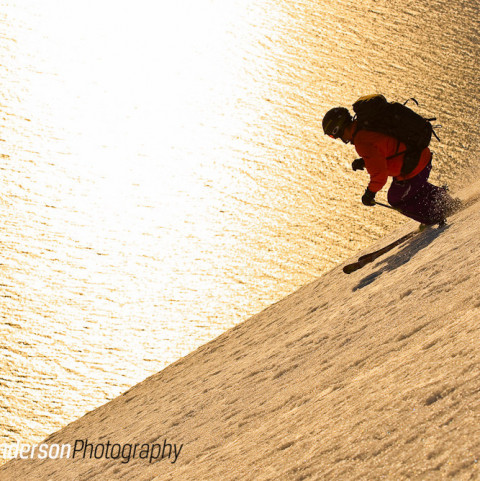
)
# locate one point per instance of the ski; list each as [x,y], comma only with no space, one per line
[368,258]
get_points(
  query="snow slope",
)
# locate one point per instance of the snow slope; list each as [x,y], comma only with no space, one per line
[369,376]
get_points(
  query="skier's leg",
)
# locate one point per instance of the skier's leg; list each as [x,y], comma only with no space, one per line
[418,199]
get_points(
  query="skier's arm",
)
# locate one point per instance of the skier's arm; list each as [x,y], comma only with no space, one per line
[376,165]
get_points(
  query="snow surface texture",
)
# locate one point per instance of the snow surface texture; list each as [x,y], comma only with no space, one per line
[373,375]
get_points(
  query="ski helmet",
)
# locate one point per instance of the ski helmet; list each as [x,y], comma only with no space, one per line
[335,121]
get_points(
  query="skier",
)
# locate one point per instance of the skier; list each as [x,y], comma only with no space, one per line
[384,156]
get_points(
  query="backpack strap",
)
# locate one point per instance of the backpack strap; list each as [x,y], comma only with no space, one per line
[408,100]
[397,153]
[357,128]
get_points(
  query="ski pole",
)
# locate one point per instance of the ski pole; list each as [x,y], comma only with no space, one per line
[387,206]
[384,205]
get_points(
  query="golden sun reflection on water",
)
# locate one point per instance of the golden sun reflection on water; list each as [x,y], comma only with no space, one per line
[115,156]
[165,176]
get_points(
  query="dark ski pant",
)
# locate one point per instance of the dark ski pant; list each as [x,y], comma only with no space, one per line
[418,199]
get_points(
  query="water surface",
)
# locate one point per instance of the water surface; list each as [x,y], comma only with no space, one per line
[165,176]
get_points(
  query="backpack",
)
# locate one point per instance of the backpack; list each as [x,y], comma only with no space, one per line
[375,113]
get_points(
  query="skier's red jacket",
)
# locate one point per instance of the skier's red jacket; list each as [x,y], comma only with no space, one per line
[375,148]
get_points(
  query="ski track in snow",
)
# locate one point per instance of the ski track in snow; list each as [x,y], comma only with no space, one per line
[368,376]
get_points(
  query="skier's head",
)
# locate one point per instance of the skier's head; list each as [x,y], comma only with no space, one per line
[335,121]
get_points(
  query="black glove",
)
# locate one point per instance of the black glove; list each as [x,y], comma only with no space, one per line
[358,164]
[368,198]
